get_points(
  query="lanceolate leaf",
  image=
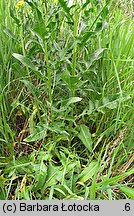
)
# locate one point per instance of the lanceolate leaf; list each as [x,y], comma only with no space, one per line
[24,60]
[73,100]
[39,133]
[88,172]
[115,179]
[69,101]
[17,21]
[31,88]
[85,37]
[128,191]
[27,62]
[36,137]
[96,55]
[85,136]
[9,33]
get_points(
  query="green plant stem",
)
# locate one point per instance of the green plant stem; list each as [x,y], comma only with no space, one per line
[47,58]
[23,47]
[48,71]
[76,25]
[75,33]
[28,72]
[22,40]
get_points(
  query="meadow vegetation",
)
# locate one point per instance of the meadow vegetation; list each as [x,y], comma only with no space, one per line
[66,99]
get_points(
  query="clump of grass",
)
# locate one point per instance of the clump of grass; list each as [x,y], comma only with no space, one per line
[66,100]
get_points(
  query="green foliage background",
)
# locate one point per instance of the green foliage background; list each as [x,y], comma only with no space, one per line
[66,99]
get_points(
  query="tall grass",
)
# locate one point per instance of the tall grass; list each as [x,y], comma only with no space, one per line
[66,100]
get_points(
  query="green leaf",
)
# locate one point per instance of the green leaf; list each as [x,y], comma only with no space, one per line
[17,21]
[9,33]
[88,172]
[27,62]
[66,77]
[115,179]
[40,30]
[24,193]
[72,81]
[40,133]
[99,26]
[59,190]
[85,4]
[40,177]
[59,129]
[96,56]
[39,27]
[68,189]
[2,181]
[85,136]
[128,191]
[112,105]
[22,166]
[24,60]
[20,71]
[86,36]
[71,100]
[65,7]
[54,174]
[32,88]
